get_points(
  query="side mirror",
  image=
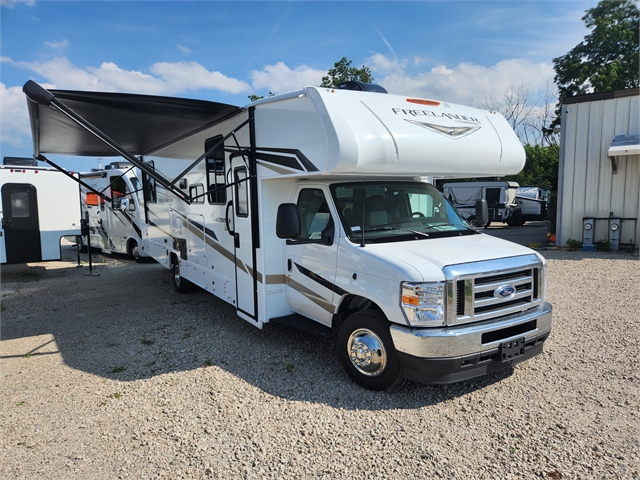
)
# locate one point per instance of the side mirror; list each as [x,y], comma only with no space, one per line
[482,212]
[124,205]
[288,221]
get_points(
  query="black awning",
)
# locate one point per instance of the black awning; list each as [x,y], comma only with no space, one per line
[139,123]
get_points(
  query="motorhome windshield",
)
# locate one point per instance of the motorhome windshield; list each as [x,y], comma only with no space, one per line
[396,211]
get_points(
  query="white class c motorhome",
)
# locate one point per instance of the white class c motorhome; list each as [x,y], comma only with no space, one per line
[307,209]
[115,219]
[39,207]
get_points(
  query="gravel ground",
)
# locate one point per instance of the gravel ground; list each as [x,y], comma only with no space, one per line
[118,376]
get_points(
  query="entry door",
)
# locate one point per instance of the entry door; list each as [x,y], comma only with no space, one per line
[21,225]
[240,210]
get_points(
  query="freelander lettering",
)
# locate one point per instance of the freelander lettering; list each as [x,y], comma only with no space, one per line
[430,113]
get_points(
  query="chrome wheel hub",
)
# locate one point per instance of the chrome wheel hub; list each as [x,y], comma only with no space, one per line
[366,352]
[176,273]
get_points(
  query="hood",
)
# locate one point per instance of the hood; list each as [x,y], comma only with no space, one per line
[426,254]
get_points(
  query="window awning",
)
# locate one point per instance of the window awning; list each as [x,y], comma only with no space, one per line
[624,145]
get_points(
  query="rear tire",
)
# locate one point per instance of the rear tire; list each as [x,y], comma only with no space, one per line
[182,285]
[134,250]
[366,351]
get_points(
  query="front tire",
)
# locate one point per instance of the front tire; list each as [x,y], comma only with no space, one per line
[182,285]
[366,351]
[134,250]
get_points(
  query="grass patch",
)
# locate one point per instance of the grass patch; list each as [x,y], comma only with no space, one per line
[289,367]
[150,364]
[146,341]
[119,369]
[574,244]
[116,395]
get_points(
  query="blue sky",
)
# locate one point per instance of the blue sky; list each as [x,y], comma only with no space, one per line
[456,51]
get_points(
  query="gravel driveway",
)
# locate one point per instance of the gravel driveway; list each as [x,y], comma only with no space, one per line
[118,376]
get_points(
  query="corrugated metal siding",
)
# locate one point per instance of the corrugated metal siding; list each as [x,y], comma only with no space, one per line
[587,185]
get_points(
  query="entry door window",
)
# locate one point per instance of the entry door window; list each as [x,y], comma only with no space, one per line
[20,204]
[242,192]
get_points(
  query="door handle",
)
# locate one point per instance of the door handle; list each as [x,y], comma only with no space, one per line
[226,218]
[236,239]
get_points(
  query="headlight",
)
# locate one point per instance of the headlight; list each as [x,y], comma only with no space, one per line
[423,303]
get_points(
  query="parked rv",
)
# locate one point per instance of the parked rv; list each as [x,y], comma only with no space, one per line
[115,219]
[39,207]
[306,209]
[500,197]
[533,203]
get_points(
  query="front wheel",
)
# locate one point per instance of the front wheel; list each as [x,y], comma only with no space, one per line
[366,351]
[182,285]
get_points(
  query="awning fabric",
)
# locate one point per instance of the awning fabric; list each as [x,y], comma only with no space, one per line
[623,145]
[139,123]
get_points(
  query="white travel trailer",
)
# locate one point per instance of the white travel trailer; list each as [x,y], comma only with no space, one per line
[307,209]
[533,203]
[39,207]
[114,218]
[500,197]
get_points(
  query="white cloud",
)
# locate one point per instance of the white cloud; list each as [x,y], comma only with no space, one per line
[57,45]
[63,74]
[383,64]
[184,50]
[193,76]
[14,118]
[279,78]
[465,83]
[165,78]
[13,3]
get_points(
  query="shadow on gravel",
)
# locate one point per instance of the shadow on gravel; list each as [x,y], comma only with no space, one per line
[128,324]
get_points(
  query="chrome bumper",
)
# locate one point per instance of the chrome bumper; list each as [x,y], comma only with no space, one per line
[458,341]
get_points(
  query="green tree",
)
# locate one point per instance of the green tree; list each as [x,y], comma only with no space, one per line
[342,71]
[607,58]
[540,168]
[253,97]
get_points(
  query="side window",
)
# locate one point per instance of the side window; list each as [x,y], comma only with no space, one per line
[215,170]
[197,193]
[242,192]
[315,219]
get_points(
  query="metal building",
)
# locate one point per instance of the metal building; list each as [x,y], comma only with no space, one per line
[599,171]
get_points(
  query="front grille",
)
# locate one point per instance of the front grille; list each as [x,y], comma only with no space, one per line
[473,289]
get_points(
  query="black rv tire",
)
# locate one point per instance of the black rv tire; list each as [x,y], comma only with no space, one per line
[366,351]
[134,250]
[182,285]
[81,246]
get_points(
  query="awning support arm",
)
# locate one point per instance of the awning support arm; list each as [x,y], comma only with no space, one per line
[42,158]
[43,97]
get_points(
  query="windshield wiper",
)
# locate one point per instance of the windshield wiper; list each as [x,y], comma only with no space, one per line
[380,229]
[431,225]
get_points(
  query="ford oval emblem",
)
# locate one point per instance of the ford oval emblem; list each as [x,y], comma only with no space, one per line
[505,292]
